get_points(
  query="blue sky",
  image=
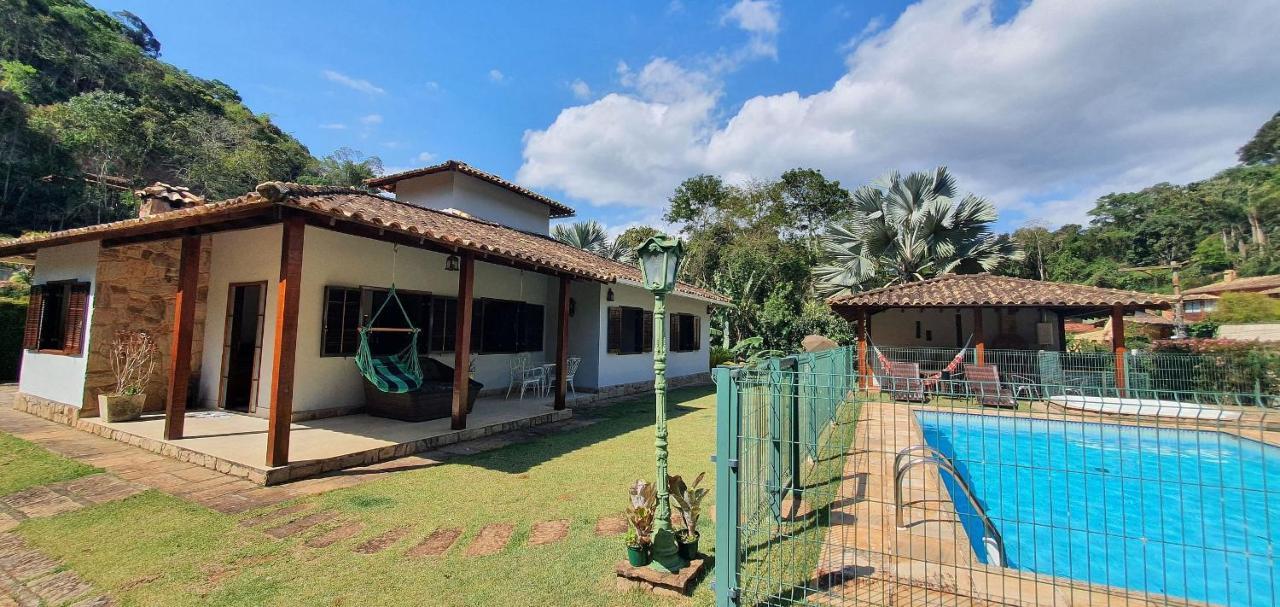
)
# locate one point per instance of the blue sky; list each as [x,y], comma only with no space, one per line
[1040,106]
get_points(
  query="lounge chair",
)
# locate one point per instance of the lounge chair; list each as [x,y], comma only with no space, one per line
[904,382]
[984,383]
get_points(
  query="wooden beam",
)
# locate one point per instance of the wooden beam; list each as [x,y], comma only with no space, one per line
[562,344]
[462,341]
[184,320]
[1118,347]
[862,332]
[979,338]
[286,341]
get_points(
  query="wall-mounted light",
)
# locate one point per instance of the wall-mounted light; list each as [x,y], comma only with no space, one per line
[451,263]
[711,310]
[573,306]
[609,295]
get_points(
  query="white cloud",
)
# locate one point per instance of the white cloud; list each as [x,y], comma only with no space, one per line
[333,126]
[760,19]
[496,75]
[371,119]
[580,89]
[1041,112]
[425,157]
[358,84]
[433,86]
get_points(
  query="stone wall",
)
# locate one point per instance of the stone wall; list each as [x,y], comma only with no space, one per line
[136,288]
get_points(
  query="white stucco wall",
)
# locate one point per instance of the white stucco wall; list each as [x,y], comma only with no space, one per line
[615,369]
[897,327]
[584,332]
[58,377]
[476,197]
[235,257]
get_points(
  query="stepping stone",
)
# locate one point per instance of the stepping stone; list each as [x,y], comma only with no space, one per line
[97,601]
[58,589]
[337,534]
[7,522]
[295,527]
[548,532]
[611,525]
[39,502]
[265,517]
[435,544]
[491,539]
[99,488]
[382,542]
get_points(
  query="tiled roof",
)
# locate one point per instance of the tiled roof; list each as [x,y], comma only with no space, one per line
[388,182]
[1254,283]
[358,206]
[951,290]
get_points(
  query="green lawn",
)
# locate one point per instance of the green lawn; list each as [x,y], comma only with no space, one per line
[23,465]
[153,549]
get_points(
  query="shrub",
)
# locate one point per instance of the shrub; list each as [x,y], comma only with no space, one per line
[1246,308]
[720,355]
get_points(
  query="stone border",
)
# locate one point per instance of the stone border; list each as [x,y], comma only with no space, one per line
[54,411]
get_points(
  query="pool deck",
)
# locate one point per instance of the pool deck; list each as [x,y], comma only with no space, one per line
[867,560]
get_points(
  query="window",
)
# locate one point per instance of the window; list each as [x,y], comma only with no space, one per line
[56,316]
[686,333]
[630,330]
[1192,307]
[497,325]
[341,321]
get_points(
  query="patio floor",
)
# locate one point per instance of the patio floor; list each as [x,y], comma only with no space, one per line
[236,444]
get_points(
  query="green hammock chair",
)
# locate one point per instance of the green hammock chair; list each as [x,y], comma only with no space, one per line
[396,373]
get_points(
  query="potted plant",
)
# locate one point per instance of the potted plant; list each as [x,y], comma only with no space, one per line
[640,510]
[688,500]
[133,360]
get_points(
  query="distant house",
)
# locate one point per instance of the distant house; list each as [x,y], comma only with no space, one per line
[258,299]
[1200,301]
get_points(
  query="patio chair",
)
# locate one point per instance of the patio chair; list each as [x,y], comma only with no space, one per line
[904,383]
[569,370]
[984,383]
[526,375]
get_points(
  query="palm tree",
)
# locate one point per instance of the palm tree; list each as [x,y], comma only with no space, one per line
[587,235]
[910,228]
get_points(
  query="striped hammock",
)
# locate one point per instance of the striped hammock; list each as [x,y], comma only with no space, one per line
[397,373]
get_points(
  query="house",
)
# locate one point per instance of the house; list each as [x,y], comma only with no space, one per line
[259,298]
[1200,301]
[938,317]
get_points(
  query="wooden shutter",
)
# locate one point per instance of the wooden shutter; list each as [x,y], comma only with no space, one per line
[673,321]
[77,313]
[35,311]
[614,338]
[646,333]
[697,332]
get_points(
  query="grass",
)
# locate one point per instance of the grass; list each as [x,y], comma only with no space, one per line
[153,549]
[23,465]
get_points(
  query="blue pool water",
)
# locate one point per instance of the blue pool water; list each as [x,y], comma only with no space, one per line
[1184,513]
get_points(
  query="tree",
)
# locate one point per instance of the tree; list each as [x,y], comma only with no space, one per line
[137,31]
[1246,308]
[907,229]
[586,235]
[1264,148]
[344,167]
[811,200]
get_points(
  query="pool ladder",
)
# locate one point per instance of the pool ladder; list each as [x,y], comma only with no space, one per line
[906,460]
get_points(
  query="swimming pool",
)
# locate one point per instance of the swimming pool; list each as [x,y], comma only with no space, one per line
[1184,513]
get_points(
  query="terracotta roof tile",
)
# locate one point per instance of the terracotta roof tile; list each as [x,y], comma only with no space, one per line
[387,182]
[951,290]
[358,206]
[1253,283]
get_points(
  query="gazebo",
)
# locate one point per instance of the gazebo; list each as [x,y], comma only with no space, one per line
[992,311]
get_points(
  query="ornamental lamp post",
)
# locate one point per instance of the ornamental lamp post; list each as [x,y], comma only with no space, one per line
[660,258]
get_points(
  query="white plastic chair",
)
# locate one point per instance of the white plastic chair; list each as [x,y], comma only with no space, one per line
[526,376]
[570,369]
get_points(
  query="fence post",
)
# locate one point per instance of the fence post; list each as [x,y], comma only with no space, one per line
[795,424]
[775,438]
[727,416]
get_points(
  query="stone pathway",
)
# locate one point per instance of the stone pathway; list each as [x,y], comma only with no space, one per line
[30,578]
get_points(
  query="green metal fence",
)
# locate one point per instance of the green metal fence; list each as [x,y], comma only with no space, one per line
[1046,478]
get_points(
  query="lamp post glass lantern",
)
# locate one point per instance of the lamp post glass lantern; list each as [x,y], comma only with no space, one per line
[660,258]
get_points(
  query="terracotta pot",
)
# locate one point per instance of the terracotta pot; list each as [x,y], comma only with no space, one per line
[121,407]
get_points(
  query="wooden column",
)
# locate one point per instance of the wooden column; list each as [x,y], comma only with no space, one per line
[184,305]
[860,328]
[979,338]
[562,344]
[286,341]
[462,342]
[1118,347]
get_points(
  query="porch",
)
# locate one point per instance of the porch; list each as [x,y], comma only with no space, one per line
[236,444]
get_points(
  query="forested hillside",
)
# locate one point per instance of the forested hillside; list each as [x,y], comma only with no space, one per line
[83,94]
